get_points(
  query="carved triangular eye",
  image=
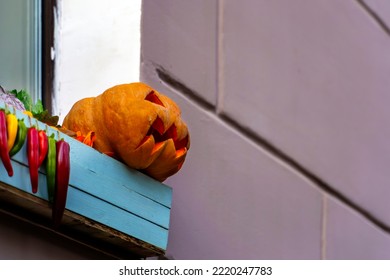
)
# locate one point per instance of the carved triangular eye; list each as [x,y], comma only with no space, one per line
[152,97]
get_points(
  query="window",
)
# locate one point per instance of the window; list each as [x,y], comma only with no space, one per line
[20,47]
[106,36]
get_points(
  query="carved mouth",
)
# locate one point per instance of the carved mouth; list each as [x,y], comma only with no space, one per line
[157,128]
[156,131]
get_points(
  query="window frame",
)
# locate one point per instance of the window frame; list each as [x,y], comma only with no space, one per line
[49,8]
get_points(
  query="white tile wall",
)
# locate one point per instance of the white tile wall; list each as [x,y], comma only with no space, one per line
[350,236]
[181,36]
[310,77]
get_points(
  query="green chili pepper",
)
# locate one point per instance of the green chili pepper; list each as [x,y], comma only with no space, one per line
[51,167]
[20,138]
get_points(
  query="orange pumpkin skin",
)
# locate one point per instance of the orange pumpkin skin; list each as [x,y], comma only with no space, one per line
[137,125]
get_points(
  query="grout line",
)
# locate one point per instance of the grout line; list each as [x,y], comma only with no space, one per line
[375,16]
[259,141]
[303,171]
[324,225]
[173,83]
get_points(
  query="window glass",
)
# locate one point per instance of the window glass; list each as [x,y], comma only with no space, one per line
[20,45]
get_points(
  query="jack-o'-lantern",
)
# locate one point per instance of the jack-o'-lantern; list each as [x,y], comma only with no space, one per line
[135,124]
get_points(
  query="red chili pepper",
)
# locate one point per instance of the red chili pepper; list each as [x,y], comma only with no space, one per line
[62,181]
[43,146]
[33,156]
[4,155]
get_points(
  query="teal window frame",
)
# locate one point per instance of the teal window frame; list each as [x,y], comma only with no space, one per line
[21,46]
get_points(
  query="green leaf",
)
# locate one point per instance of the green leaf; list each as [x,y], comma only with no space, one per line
[37,108]
[45,117]
[24,97]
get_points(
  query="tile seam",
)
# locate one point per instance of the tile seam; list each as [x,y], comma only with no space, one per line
[174,83]
[382,24]
[324,225]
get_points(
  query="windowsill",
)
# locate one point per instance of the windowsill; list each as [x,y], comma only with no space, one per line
[110,207]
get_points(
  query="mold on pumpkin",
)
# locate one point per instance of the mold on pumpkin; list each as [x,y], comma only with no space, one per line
[135,124]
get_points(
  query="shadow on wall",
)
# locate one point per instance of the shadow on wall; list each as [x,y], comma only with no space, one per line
[39,244]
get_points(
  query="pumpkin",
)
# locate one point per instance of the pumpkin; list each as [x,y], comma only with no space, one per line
[135,124]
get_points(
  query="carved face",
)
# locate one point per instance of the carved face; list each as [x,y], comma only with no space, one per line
[137,125]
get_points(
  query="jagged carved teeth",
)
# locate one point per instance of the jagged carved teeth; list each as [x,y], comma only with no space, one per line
[157,129]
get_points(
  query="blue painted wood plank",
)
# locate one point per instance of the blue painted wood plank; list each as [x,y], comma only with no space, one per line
[113,191]
[115,217]
[130,178]
[21,179]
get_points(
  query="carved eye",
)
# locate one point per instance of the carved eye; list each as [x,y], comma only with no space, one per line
[152,97]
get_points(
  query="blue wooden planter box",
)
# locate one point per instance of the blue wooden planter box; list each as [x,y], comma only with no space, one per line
[103,190]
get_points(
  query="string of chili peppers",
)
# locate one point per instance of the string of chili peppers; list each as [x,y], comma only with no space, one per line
[41,150]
